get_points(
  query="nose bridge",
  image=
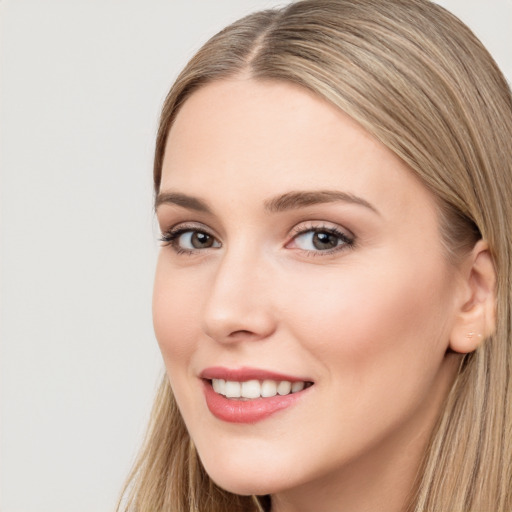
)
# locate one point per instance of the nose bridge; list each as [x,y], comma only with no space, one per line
[238,304]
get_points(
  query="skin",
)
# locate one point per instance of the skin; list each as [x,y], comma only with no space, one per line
[369,323]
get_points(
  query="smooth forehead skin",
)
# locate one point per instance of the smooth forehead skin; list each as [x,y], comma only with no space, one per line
[369,325]
[274,143]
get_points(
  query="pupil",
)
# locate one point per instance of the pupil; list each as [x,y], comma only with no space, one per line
[201,240]
[323,240]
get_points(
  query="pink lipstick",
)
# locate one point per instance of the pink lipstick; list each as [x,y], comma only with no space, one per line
[249,395]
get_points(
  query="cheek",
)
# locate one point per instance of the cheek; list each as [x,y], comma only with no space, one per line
[174,314]
[357,321]
[378,341]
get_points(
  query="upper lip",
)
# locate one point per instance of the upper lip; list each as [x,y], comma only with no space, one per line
[246,373]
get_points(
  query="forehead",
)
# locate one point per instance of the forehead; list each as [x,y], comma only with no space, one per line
[270,137]
[267,119]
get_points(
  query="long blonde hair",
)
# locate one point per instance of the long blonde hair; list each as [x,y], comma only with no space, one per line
[417,79]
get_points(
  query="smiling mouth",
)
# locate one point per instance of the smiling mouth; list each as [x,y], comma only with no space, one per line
[253,389]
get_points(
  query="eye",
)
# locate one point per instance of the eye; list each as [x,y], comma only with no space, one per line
[321,239]
[191,240]
[188,240]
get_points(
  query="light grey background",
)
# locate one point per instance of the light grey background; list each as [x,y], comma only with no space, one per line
[81,83]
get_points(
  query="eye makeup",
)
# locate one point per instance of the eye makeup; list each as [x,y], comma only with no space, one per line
[320,238]
[189,238]
[312,238]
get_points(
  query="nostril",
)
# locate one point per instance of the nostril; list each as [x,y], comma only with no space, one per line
[244,335]
[242,332]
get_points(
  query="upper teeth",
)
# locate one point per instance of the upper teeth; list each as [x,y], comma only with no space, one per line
[255,388]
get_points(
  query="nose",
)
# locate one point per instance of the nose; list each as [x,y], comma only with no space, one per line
[239,302]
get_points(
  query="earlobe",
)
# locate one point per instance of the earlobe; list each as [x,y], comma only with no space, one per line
[475,319]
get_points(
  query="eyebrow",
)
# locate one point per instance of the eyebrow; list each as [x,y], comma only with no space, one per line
[183,200]
[284,202]
[301,199]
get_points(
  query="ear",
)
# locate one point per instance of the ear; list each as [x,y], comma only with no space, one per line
[475,319]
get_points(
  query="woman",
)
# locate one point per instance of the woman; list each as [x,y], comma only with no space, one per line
[332,296]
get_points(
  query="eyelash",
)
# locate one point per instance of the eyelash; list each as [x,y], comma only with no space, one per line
[171,238]
[347,241]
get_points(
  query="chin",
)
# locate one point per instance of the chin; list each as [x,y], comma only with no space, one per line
[246,481]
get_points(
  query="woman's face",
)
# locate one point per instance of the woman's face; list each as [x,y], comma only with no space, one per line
[299,255]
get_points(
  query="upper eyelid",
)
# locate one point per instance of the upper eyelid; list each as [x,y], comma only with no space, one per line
[190,226]
[312,225]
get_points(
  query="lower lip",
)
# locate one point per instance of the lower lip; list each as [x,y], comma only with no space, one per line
[247,411]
